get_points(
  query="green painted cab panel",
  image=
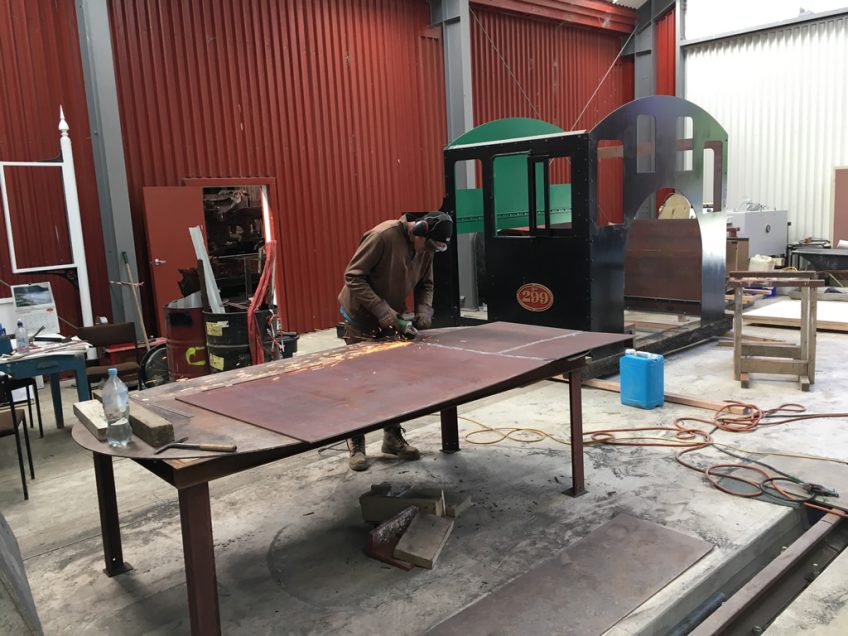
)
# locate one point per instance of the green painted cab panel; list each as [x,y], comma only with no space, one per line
[511,184]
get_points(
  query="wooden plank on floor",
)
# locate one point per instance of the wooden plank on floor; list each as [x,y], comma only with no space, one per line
[675,398]
[588,587]
[424,539]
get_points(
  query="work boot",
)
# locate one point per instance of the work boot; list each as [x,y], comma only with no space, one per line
[356,448]
[395,444]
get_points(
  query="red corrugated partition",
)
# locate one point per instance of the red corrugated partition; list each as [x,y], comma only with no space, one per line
[526,67]
[666,47]
[41,69]
[340,101]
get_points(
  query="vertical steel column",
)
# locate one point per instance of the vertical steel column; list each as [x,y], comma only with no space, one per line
[199,554]
[450,430]
[108,147]
[642,48]
[454,17]
[575,402]
[109,524]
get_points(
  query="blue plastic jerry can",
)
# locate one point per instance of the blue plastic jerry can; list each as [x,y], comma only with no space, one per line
[642,380]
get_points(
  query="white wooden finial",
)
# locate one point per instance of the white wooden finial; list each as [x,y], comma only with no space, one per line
[63,125]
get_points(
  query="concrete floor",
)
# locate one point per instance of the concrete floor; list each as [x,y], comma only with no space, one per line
[289,538]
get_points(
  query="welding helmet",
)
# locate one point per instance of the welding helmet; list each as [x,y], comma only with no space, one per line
[437,228]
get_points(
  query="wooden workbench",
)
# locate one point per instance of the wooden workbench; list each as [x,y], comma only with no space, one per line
[286,407]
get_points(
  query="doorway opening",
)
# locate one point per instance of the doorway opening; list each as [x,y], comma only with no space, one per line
[236,220]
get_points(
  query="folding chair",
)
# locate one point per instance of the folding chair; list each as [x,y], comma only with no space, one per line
[10,420]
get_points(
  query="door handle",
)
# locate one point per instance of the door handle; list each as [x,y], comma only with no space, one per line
[158,261]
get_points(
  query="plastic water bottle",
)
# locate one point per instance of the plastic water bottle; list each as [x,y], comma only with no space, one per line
[116,406]
[21,339]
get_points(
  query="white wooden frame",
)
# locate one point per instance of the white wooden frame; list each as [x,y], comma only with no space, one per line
[66,164]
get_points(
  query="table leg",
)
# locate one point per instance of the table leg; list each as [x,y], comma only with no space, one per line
[199,554]
[83,390]
[109,525]
[578,486]
[56,392]
[450,430]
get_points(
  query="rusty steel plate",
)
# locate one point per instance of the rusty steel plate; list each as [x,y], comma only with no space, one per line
[509,339]
[588,587]
[394,383]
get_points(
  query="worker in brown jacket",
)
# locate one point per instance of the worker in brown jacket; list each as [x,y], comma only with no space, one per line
[393,260]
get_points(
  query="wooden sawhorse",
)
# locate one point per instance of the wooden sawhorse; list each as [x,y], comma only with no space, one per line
[781,358]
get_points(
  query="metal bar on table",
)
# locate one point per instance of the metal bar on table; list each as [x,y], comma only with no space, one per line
[578,485]
[199,552]
[109,524]
[450,430]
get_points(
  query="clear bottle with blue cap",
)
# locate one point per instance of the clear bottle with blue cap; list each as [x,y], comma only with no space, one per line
[21,338]
[116,407]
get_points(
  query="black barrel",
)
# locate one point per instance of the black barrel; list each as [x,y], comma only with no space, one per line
[290,339]
[226,339]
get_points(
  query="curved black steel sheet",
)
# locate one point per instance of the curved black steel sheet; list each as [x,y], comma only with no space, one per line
[622,125]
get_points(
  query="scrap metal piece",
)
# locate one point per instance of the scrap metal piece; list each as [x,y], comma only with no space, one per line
[383,539]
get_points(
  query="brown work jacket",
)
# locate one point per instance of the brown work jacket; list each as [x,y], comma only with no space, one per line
[382,273]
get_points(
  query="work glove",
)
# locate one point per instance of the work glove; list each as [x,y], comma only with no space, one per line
[386,316]
[423,316]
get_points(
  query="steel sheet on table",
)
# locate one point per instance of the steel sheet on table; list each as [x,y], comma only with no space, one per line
[396,383]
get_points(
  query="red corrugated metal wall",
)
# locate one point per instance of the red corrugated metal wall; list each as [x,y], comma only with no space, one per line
[525,67]
[41,69]
[666,47]
[341,101]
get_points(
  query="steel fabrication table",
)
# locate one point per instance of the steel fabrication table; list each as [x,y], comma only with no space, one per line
[306,402]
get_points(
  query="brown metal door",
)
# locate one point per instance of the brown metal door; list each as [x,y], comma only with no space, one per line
[168,213]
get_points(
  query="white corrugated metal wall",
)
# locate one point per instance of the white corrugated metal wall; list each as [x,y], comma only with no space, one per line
[782,95]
